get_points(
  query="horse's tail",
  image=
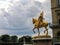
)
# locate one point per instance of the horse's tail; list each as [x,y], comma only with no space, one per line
[49,24]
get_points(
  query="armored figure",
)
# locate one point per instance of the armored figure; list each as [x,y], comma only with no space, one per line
[40,19]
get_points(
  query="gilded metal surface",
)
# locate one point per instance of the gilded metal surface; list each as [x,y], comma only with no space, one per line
[39,23]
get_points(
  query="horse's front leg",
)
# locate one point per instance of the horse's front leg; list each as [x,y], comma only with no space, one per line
[38,32]
[33,30]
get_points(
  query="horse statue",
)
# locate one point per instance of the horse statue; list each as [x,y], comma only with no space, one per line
[37,25]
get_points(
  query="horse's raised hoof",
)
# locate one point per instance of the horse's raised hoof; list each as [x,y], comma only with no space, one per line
[44,31]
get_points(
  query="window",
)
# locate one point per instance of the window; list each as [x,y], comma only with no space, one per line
[58,18]
[58,36]
[59,21]
[58,2]
[58,13]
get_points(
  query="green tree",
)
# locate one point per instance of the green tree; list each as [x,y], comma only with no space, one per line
[0,40]
[20,41]
[28,39]
[5,38]
[14,38]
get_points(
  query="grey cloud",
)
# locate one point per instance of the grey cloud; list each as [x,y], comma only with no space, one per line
[19,16]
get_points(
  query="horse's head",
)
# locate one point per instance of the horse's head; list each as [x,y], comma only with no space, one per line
[34,20]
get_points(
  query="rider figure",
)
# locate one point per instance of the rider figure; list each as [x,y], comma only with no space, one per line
[40,19]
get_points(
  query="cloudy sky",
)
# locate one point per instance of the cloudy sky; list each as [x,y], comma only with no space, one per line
[16,16]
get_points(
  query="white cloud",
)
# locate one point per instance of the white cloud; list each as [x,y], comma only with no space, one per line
[42,1]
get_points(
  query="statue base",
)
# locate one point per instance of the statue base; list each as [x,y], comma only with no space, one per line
[42,40]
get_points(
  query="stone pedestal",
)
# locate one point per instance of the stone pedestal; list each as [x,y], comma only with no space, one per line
[42,40]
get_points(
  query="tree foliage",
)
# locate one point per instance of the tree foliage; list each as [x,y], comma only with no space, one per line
[5,38]
[14,38]
[28,39]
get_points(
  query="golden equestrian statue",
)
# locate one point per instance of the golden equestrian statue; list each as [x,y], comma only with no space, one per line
[39,23]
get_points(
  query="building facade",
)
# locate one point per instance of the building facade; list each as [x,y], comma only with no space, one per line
[55,7]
